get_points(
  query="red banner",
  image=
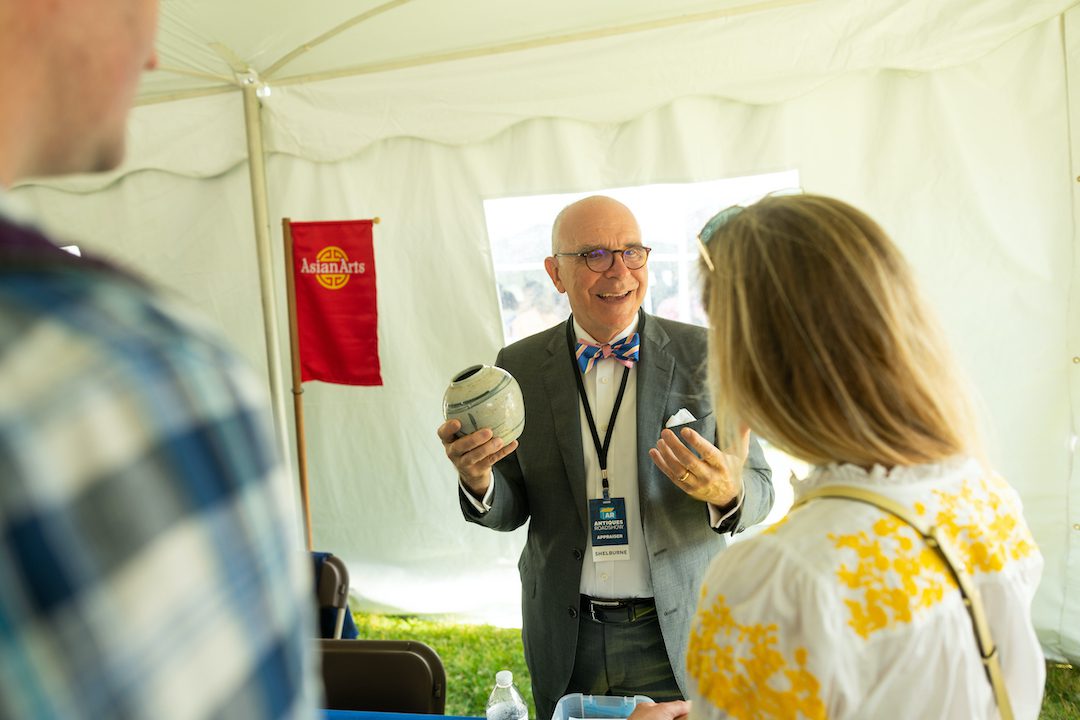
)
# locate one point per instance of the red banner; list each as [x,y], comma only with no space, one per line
[336,313]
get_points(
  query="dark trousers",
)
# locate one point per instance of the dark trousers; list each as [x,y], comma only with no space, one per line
[617,659]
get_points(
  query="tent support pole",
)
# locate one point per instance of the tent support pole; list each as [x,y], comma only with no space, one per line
[260,207]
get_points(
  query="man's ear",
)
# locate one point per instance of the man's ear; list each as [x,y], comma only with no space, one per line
[552,266]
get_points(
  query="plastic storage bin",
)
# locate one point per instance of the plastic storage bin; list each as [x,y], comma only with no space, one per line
[577,705]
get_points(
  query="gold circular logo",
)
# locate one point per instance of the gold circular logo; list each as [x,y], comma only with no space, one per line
[336,256]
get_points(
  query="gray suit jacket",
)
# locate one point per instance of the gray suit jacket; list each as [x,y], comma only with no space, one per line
[544,480]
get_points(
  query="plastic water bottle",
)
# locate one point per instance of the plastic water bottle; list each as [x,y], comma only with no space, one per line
[506,702]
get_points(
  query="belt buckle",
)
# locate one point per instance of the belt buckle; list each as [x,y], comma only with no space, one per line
[603,605]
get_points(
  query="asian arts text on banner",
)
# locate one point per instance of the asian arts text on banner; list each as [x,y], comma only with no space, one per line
[336,313]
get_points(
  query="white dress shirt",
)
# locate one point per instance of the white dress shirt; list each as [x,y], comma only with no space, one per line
[614,578]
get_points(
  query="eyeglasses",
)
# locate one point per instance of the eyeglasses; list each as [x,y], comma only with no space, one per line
[725,216]
[599,259]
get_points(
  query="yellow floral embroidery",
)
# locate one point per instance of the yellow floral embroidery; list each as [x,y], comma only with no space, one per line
[984,526]
[895,575]
[758,683]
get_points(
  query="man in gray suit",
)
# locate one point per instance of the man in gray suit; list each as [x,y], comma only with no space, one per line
[617,543]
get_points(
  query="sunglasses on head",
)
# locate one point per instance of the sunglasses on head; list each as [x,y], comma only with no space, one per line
[725,216]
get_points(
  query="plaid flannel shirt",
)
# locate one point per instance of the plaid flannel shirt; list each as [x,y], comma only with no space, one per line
[148,565]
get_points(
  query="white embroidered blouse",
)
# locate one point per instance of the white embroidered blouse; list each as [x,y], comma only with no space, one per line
[841,610]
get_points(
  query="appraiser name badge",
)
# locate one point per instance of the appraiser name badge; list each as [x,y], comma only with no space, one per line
[609,536]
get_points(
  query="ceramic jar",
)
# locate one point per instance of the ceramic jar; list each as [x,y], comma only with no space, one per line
[486,396]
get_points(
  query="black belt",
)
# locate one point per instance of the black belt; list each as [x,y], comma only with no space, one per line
[617,611]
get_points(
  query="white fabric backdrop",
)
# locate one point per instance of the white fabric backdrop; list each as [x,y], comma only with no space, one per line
[967,166]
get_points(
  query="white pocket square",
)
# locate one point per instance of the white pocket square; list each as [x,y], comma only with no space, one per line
[680,418]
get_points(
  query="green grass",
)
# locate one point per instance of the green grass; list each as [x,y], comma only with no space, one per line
[473,654]
[1061,700]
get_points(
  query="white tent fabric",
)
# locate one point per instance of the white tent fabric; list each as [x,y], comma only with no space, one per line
[949,121]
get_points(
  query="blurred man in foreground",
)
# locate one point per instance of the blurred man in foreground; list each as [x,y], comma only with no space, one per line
[145,562]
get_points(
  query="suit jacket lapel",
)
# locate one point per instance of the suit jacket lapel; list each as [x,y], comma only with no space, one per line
[654,373]
[566,415]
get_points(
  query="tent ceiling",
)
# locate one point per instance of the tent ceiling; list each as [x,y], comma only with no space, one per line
[203,43]
[460,71]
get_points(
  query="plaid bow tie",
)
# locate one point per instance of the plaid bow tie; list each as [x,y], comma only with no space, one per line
[625,351]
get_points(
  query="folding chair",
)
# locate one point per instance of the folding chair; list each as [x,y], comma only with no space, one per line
[402,676]
[332,590]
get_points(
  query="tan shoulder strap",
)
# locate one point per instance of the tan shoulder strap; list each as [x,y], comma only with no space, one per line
[972,600]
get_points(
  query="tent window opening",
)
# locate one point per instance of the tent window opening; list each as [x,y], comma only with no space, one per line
[670,216]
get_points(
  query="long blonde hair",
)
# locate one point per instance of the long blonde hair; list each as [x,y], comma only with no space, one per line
[821,342]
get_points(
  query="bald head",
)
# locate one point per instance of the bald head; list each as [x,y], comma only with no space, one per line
[603,301]
[591,211]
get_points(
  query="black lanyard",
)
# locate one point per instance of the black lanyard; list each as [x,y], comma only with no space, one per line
[601,448]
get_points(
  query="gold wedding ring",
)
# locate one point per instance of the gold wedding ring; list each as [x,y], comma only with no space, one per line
[682,478]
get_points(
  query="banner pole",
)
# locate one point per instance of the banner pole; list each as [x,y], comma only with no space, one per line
[297,384]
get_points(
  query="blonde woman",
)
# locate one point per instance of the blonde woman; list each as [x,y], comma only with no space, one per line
[821,343]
